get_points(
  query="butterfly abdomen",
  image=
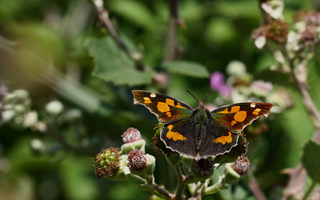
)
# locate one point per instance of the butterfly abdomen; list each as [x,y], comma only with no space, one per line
[201,115]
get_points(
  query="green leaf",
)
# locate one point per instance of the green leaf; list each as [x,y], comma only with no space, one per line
[220,30]
[114,65]
[134,11]
[186,68]
[311,161]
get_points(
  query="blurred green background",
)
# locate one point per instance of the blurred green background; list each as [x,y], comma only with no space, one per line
[45,50]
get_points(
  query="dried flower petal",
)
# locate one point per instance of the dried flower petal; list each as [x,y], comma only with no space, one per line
[309,36]
[277,31]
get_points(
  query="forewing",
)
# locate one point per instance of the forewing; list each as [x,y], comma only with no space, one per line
[166,108]
[218,140]
[236,117]
[180,137]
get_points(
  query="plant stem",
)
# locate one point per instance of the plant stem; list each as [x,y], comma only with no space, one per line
[171,42]
[104,18]
[313,184]
[180,184]
[302,86]
[256,190]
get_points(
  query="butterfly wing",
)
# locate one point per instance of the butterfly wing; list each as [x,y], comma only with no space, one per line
[218,140]
[180,136]
[236,117]
[166,108]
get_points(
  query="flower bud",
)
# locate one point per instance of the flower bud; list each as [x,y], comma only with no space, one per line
[107,162]
[132,140]
[202,169]
[131,135]
[231,177]
[137,160]
[241,165]
[141,164]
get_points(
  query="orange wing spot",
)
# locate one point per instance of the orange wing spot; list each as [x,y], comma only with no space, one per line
[147,100]
[240,116]
[180,106]
[224,139]
[225,111]
[256,111]
[170,102]
[163,107]
[235,109]
[168,114]
[233,122]
[174,135]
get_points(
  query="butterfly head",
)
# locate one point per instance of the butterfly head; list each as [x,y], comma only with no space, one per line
[201,103]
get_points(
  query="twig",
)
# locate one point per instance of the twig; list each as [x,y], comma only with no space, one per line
[171,42]
[302,86]
[256,190]
[104,18]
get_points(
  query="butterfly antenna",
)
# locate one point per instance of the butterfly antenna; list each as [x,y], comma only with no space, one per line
[206,96]
[192,95]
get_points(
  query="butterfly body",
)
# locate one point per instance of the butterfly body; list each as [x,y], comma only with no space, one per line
[199,133]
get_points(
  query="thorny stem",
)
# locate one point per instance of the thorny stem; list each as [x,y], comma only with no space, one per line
[170,46]
[104,18]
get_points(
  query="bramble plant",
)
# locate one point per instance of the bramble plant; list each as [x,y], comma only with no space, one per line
[66,75]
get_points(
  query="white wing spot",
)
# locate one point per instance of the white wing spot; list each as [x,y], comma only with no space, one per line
[252,105]
[152,95]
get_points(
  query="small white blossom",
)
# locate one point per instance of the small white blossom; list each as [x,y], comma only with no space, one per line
[260,42]
[54,107]
[30,119]
[236,68]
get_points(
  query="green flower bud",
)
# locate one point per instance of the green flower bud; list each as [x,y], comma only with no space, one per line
[231,176]
[140,145]
[123,171]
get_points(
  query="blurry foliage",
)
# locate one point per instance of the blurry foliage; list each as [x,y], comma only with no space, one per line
[43,49]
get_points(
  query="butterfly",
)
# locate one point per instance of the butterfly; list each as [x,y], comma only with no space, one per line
[199,133]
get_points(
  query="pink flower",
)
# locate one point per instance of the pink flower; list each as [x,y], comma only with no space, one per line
[217,83]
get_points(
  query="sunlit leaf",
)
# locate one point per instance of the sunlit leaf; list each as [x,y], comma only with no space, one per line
[114,65]
[186,68]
